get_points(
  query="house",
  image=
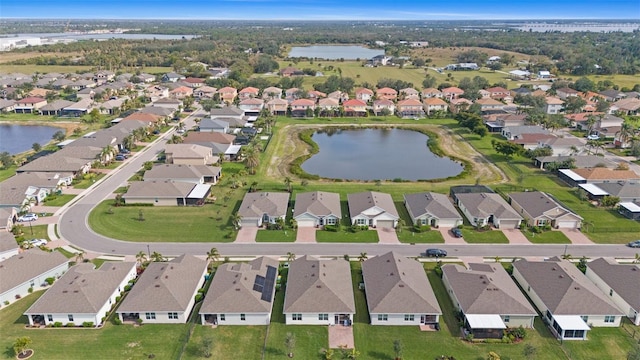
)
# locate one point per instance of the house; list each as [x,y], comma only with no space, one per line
[561,145]
[277,106]
[459,104]
[462,66]
[487,298]
[199,137]
[497,122]
[452,92]
[554,286]
[398,292]
[143,116]
[31,187]
[410,108]
[629,106]
[166,193]
[251,106]
[213,125]
[630,210]
[7,105]
[544,75]
[482,209]
[372,208]
[172,104]
[565,92]
[228,94]
[271,93]
[516,132]
[386,93]
[189,154]
[431,93]
[317,208]
[355,107]
[580,161]
[77,109]
[165,292]
[319,292]
[205,92]
[364,94]
[611,95]
[435,104]
[241,293]
[620,282]
[82,295]
[227,112]
[608,125]
[315,95]
[218,72]
[553,105]
[380,60]
[258,208]
[171,77]
[301,107]
[540,209]
[195,174]
[574,177]
[29,269]
[181,92]
[489,104]
[328,106]
[432,209]
[292,93]
[498,92]
[519,74]
[194,82]
[383,106]
[8,244]
[291,71]
[8,217]
[29,105]
[627,191]
[248,93]
[409,93]
[70,159]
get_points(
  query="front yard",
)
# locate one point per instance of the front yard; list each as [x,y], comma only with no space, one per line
[58,200]
[276,236]
[473,236]
[547,237]
[346,236]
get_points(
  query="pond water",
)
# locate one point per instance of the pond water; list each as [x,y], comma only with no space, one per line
[15,139]
[372,154]
[334,52]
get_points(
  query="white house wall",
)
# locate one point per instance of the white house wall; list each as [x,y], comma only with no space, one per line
[398,319]
[615,297]
[312,319]
[23,289]
[234,319]
[9,253]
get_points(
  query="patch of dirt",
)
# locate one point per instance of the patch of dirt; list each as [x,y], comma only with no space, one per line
[133,344]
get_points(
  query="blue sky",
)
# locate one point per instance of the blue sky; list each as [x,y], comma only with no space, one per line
[323,9]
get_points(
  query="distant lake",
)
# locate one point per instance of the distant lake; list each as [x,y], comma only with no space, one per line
[19,138]
[333,52]
[372,154]
[101,36]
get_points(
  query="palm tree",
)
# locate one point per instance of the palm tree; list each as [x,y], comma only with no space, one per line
[175,139]
[157,257]
[213,254]
[79,257]
[141,257]
[106,154]
[400,225]
[590,123]
[291,256]
[625,133]
[252,159]
[287,182]
[363,256]
[236,220]
[294,224]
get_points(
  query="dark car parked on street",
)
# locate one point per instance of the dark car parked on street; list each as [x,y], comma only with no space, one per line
[435,253]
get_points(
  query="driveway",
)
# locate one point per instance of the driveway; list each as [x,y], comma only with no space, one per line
[247,234]
[448,236]
[387,235]
[306,234]
[576,237]
[515,236]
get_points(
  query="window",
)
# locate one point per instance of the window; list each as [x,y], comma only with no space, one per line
[361,221]
[173,315]
[50,317]
[423,221]
[528,288]
[243,317]
[584,318]
[409,317]
[150,316]
[548,314]
[70,317]
[323,317]
[222,317]
[383,317]
[296,317]
[542,222]
[506,318]
[610,292]
[609,319]
[331,221]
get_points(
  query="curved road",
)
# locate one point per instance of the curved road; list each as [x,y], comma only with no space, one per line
[73,227]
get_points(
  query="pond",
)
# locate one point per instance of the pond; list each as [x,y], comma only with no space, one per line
[15,139]
[334,52]
[377,154]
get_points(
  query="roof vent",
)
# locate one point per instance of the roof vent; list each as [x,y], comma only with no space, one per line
[401,285]
[157,277]
[324,265]
[75,291]
[388,260]
[233,282]
[577,288]
[157,285]
[313,275]
[319,286]
[313,265]
[166,276]
[64,291]
[390,274]
[484,282]
[561,276]
[172,268]
[553,268]
[237,289]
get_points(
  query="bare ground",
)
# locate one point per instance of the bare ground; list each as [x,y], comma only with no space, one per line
[289,147]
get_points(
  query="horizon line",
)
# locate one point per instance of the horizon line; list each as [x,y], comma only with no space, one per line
[327,19]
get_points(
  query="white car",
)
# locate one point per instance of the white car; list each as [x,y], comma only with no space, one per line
[38,242]
[28,217]
[593,137]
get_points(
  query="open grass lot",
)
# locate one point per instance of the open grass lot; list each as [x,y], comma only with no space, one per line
[88,180]
[276,236]
[58,200]
[33,232]
[547,237]
[432,236]
[110,342]
[602,343]
[473,236]
[229,342]
[345,236]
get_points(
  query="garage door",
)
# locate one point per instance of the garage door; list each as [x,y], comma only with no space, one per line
[249,223]
[448,223]
[567,224]
[384,223]
[508,224]
[306,223]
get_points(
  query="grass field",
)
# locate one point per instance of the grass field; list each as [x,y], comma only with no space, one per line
[276,236]
[547,237]
[473,236]
[345,236]
[432,236]
[58,200]
[33,232]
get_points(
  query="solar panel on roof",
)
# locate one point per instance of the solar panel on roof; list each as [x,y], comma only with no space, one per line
[269,283]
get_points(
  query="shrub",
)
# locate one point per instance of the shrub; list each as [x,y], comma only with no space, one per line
[117,321]
[127,287]
[50,280]
[30,290]
[332,228]
[87,324]
[70,324]
[6,302]
[199,297]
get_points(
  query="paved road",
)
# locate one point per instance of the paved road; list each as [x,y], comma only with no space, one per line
[73,227]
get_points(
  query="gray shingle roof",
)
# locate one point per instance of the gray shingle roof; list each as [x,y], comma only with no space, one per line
[231,290]
[486,289]
[359,202]
[208,123]
[180,151]
[13,189]
[82,289]
[159,189]
[624,279]
[226,111]
[178,172]
[319,286]
[7,240]
[165,286]
[623,190]
[26,266]
[68,159]
[318,203]
[482,205]
[430,203]
[537,204]
[256,204]
[398,285]
[559,284]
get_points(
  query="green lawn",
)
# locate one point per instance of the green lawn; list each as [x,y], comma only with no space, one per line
[58,200]
[344,236]
[484,237]
[432,236]
[88,180]
[276,236]
[33,232]
[602,343]
[547,237]
[229,342]
[110,342]
[8,172]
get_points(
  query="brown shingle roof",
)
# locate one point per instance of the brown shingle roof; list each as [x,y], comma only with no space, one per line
[318,203]
[256,204]
[29,264]
[359,202]
[624,279]
[606,174]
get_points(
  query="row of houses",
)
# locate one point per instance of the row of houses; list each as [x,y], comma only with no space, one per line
[480,206]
